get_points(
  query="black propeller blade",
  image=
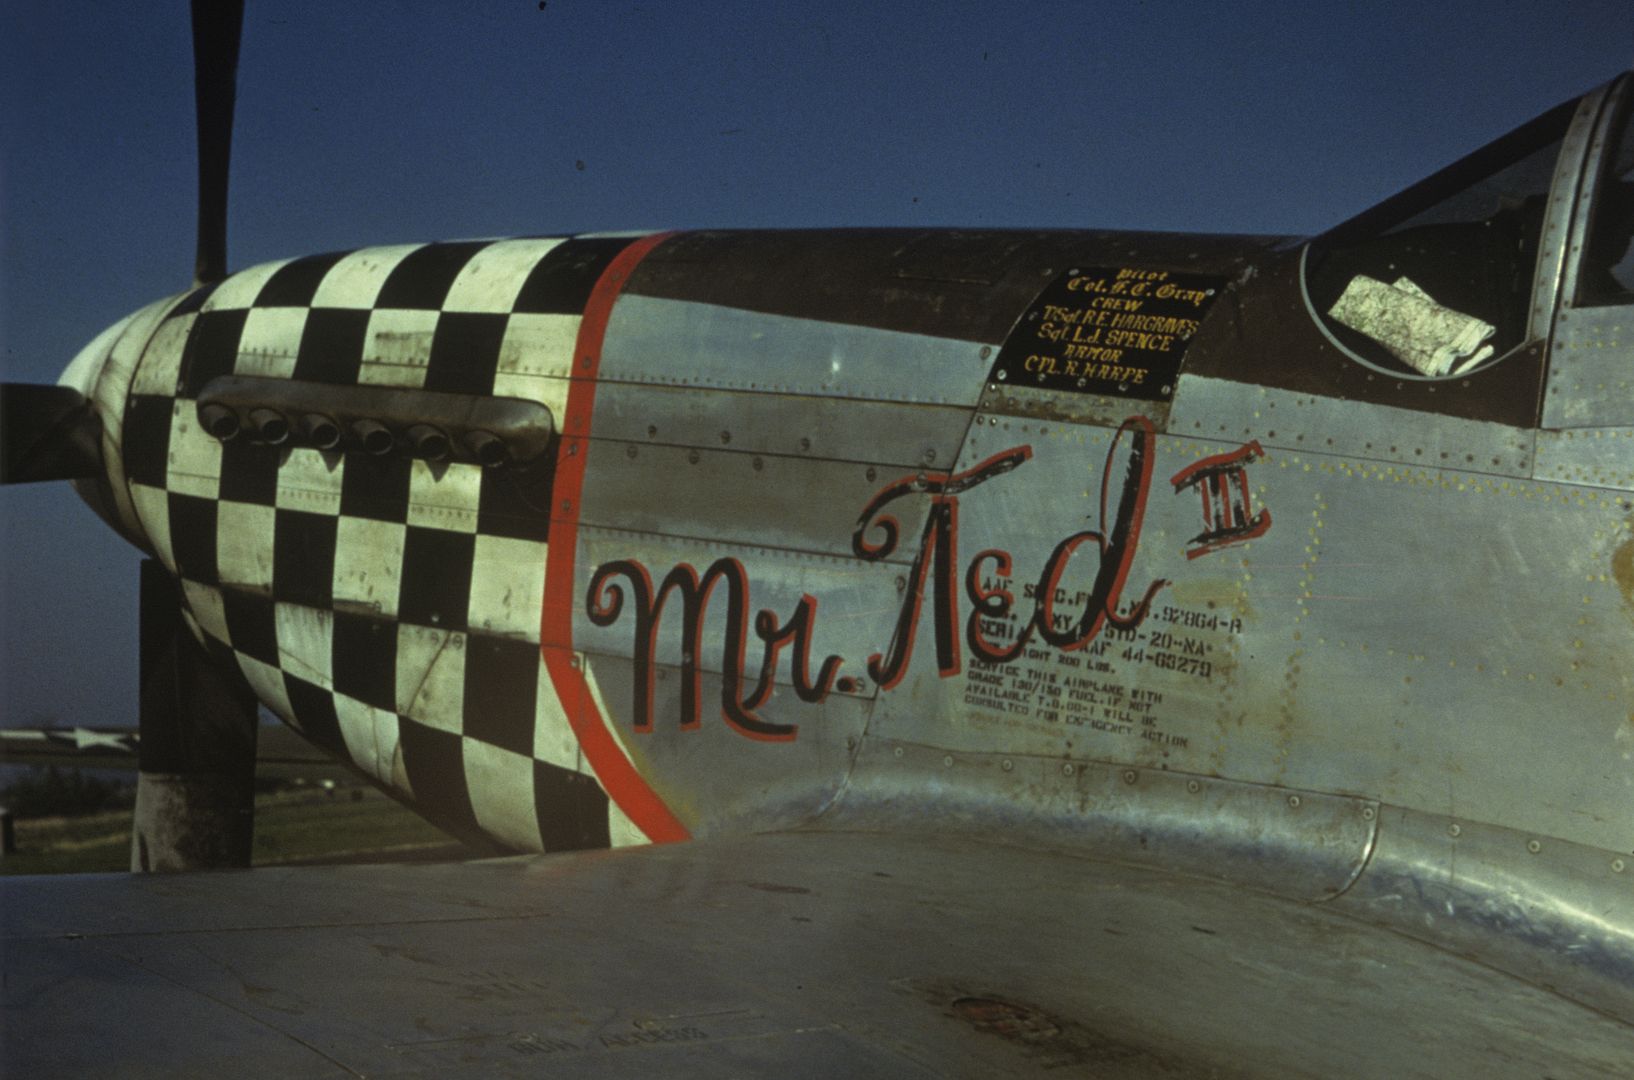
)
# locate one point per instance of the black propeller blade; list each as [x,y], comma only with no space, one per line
[51,432]
[47,433]
[216,28]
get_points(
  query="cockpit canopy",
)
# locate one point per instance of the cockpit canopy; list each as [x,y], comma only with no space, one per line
[1460,270]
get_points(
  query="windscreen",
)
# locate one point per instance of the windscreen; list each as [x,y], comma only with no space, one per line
[1436,282]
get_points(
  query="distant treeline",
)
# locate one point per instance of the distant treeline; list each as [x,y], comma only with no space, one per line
[54,791]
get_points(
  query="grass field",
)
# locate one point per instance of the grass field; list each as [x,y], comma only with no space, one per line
[302,825]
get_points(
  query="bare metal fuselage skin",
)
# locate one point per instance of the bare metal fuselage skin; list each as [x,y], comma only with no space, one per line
[1094,540]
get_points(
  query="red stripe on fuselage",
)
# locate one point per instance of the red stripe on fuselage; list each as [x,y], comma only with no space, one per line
[622,782]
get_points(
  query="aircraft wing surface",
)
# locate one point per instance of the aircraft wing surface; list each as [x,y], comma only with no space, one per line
[800,954]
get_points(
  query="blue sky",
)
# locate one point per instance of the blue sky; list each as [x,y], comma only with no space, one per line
[386,122]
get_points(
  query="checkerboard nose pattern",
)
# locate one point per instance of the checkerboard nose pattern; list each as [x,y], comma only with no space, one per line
[386,605]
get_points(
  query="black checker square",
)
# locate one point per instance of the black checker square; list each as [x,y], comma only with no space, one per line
[296,282]
[571,807]
[435,763]
[193,537]
[314,709]
[212,348]
[193,301]
[222,657]
[303,558]
[562,281]
[145,447]
[436,582]
[465,352]
[252,625]
[331,349]
[501,693]
[515,502]
[424,276]
[363,659]
[249,472]
[376,487]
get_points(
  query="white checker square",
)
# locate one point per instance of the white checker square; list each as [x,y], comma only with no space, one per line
[152,506]
[492,279]
[539,344]
[193,626]
[270,342]
[306,638]
[194,463]
[124,505]
[244,534]
[431,676]
[159,372]
[500,785]
[553,738]
[507,586]
[397,347]
[208,608]
[268,684]
[355,281]
[621,831]
[125,343]
[444,495]
[241,289]
[399,781]
[368,565]
[370,734]
[310,480]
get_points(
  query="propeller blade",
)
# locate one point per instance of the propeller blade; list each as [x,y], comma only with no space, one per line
[47,433]
[216,29]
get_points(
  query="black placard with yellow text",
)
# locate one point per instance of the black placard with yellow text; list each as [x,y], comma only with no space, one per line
[1118,331]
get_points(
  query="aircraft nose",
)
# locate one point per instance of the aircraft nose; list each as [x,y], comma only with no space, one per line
[102,373]
[54,432]
[84,371]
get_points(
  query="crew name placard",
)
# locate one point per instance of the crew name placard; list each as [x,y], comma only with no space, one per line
[1118,331]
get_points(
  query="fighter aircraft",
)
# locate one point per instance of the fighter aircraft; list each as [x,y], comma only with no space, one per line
[1130,653]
